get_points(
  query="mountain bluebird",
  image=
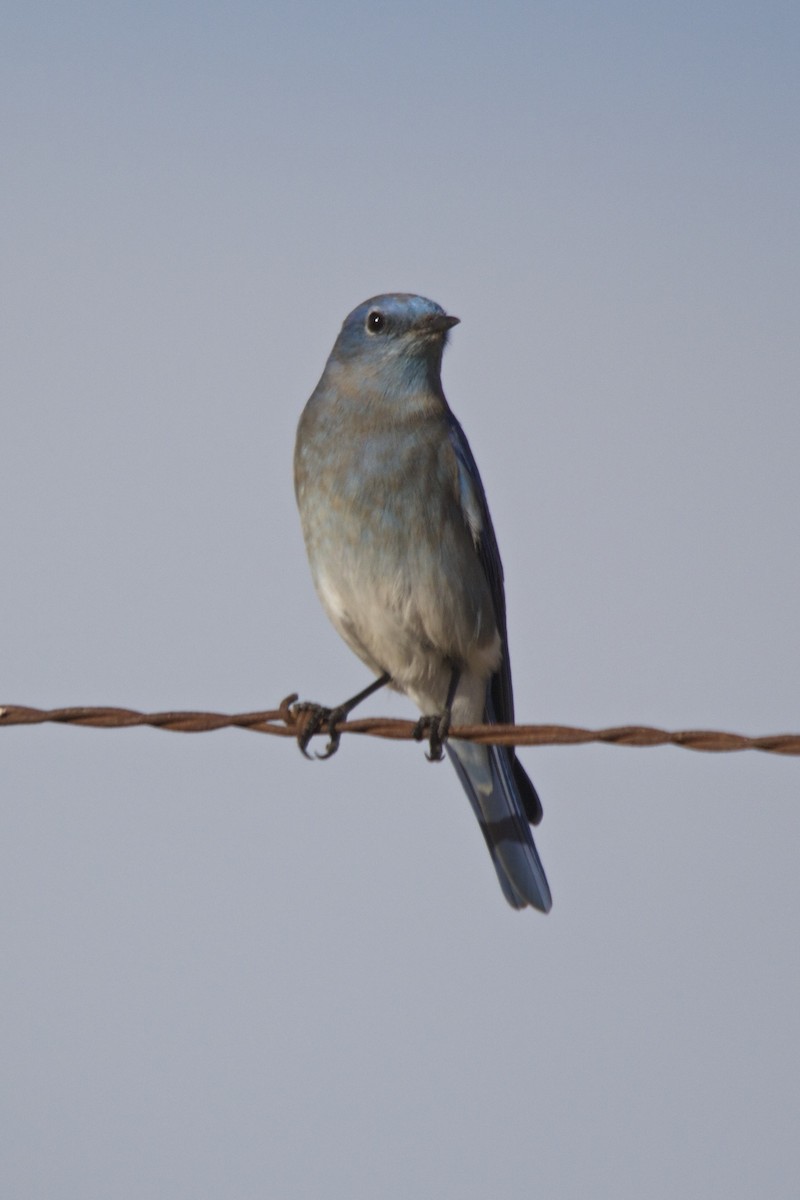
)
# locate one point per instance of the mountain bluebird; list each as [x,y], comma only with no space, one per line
[405,561]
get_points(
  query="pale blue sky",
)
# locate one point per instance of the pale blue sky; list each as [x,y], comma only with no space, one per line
[229,972]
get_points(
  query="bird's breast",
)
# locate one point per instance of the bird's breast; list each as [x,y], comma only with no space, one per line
[392,555]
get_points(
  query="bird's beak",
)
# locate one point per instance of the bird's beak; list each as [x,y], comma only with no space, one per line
[440,324]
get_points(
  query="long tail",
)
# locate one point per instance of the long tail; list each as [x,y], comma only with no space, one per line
[489,777]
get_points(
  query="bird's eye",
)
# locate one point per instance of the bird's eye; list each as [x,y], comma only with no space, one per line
[375,321]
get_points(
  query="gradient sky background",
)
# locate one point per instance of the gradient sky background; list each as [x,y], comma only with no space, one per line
[228,972]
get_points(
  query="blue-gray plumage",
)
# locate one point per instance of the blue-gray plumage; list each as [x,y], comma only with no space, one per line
[405,560]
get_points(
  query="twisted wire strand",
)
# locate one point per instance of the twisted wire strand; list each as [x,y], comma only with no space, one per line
[286,721]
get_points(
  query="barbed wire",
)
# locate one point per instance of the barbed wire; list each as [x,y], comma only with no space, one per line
[288,721]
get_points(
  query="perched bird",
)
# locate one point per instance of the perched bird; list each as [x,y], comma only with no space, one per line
[405,560]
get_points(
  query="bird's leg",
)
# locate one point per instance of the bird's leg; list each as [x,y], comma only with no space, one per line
[437,727]
[320,716]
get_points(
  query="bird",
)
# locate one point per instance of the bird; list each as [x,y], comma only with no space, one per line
[405,561]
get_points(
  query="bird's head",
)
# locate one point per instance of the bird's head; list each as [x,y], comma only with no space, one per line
[396,340]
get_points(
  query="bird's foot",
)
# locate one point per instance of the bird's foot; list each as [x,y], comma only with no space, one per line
[317,717]
[435,729]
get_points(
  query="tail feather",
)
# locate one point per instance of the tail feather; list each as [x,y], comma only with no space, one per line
[490,777]
[530,797]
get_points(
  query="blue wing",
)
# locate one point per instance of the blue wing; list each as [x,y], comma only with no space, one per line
[500,695]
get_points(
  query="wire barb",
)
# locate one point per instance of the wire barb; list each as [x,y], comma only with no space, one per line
[287,721]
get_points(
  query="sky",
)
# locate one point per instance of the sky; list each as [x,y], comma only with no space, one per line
[227,971]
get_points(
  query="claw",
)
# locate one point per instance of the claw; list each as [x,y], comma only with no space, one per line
[435,729]
[317,718]
[317,715]
[332,718]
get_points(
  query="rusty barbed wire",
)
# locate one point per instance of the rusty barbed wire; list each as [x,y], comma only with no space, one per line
[288,721]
